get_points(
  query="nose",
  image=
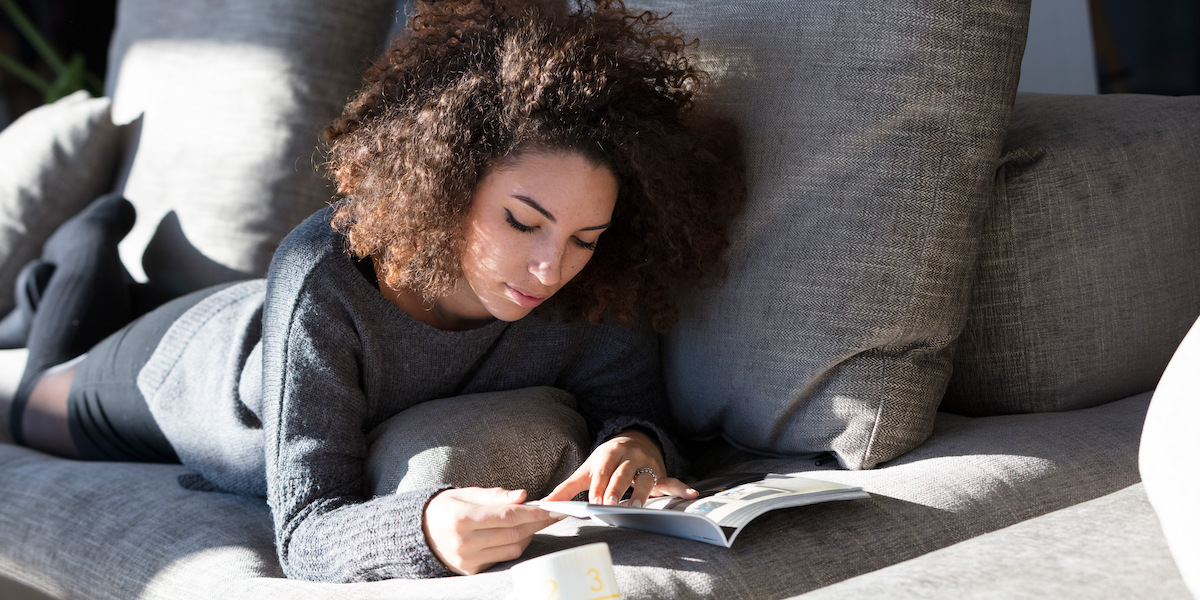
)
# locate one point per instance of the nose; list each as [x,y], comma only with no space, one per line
[546,264]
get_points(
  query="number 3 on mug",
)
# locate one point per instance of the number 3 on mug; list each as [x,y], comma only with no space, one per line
[583,573]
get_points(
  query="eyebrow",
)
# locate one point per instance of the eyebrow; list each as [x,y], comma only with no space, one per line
[545,213]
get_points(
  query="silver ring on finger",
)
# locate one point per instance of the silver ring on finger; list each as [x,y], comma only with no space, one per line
[648,471]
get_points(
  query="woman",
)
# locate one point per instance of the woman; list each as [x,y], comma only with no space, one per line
[488,153]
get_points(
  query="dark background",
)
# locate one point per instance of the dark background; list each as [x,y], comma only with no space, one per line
[1142,46]
[70,26]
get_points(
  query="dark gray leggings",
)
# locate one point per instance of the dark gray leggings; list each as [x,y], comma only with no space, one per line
[106,412]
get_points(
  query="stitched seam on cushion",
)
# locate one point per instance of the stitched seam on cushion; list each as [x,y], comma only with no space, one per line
[875,427]
[1019,291]
[938,200]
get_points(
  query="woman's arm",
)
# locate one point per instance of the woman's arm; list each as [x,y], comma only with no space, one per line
[327,527]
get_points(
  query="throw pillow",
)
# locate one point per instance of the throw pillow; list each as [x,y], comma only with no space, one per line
[1091,251]
[229,98]
[1168,456]
[57,158]
[872,131]
[529,439]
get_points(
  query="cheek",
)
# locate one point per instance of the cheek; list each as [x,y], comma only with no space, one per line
[487,248]
[576,261]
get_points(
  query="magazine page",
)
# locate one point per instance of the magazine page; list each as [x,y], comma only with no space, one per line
[738,504]
[725,505]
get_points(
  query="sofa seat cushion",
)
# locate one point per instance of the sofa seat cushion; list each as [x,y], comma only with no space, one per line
[1108,548]
[131,532]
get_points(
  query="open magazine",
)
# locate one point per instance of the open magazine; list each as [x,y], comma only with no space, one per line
[726,504]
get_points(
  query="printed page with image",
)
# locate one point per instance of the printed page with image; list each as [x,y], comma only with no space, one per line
[726,504]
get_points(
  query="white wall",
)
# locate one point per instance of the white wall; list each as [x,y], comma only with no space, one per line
[1059,56]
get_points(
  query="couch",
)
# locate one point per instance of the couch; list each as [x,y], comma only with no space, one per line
[960,298]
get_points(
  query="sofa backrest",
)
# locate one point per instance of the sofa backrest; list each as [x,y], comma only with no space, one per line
[1089,273]
[227,99]
[872,130]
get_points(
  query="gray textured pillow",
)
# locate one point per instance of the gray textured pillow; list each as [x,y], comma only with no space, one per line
[56,159]
[231,95]
[872,131]
[529,439]
[1091,256]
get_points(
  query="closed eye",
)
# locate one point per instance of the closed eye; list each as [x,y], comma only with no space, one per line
[589,246]
[519,226]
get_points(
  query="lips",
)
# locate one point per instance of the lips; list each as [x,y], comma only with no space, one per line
[522,298]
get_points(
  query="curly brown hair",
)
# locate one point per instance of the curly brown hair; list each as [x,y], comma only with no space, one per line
[475,83]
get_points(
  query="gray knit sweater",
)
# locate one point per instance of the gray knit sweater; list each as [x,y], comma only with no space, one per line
[270,387]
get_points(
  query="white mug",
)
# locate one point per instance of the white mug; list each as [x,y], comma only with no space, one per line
[583,573]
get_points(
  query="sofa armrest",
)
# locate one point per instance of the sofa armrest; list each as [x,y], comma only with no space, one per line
[1087,273]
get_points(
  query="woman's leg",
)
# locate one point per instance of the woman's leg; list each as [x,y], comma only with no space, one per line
[44,422]
[86,299]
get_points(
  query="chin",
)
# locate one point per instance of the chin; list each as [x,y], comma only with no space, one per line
[509,313]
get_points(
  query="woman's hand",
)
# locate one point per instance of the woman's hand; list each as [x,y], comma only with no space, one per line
[471,529]
[613,468]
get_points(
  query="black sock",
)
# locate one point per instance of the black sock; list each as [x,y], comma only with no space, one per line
[86,298]
[27,294]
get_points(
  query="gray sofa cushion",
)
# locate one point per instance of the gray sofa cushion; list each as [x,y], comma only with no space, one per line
[1078,297]
[56,159]
[527,439]
[1108,548]
[872,131]
[1167,457]
[119,530]
[229,97]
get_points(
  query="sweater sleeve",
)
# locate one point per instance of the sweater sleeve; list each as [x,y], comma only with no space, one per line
[327,527]
[617,383]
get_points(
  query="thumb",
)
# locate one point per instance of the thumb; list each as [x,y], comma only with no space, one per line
[491,495]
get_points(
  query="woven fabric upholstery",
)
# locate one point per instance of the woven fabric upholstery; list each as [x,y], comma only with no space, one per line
[1078,299]
[871,131]
[229,97]
[133,533]
[1110,548]
[56,159]
[528,439]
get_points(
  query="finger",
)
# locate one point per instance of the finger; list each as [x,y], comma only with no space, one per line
[600,481]
[669,486]
[643,485]
[620,481]
[481,548]
[577,482]
[486,557]
[486,496]
[502,536]
[507,516]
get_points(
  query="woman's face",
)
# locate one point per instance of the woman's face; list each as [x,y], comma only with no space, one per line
[534,224]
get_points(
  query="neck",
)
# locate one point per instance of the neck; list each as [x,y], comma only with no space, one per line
[433,314]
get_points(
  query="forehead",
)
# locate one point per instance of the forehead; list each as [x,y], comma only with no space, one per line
[558,181]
